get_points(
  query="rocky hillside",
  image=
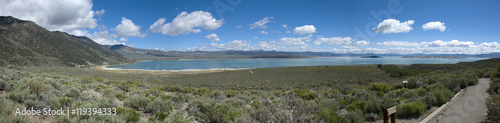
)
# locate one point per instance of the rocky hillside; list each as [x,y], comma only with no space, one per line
[25,43]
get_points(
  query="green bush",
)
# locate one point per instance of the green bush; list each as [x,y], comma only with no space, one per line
[381,87]
[256,104]
[306,94]
[19,95]
[493,104]
[413,109]
[137,102]
[3,84]
[160,105]
[73,92]
[354,117]
[438,97]
[329,114]
[65,101]
[182,117]
[128,115]
[356,105]
[232,93]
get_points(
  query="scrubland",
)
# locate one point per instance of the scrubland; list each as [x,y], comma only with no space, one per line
[292,94]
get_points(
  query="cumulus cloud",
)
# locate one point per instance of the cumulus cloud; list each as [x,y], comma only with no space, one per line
[304,29]
[238,27]
[361,43]
[333,41]
[233,45]
[452,43]
[434,25]
[491,44]
[186,23]
[284,25]
[295,41]
[127,28]
[213,37]
[60,15]
[123,39]
[399,44]
[264,32]
[99,12]
[394,26]
[261,23]
[100,37]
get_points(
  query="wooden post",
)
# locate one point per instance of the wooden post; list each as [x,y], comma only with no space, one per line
[392,112]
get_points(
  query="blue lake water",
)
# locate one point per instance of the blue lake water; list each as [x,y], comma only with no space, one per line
[269,63]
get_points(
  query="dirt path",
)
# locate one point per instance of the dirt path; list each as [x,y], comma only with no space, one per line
[470,108]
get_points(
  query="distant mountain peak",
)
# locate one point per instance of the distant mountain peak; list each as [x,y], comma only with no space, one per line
[25,43]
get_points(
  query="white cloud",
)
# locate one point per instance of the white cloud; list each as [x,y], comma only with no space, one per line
[264,32]
[213,37]
[361,43]
[100,37]
[233,45]
[60,15]
[99,12]
[261,23]
[333,41]
[266,46]
[127,28]
[491,44]
[434,25]
[452,43]
[186,23]
[238,27]
[123,39]
[399,44]
[394,26]
[284,25]
[304,29]
[295,41]
[255,37]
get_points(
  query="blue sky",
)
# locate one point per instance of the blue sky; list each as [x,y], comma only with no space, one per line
[339,26]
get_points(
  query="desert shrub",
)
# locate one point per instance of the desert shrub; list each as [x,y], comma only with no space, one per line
[413,83]
[495,85]
[356,116]
[373,106]
[159,117]
[356,105]
[381,87]
[232,93]
[182,117]
[30,103]
[329,114]
[3,84]
[305,94]
[388,102]
[128,115]
[65,101]
[36,87]
[438,97]
[54,102]
[73,93]
[137,102]
[493,104]
[160,105]
[18,95]
[413,109]
[256,104]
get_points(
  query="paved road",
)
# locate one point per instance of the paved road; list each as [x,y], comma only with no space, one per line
[470,108]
